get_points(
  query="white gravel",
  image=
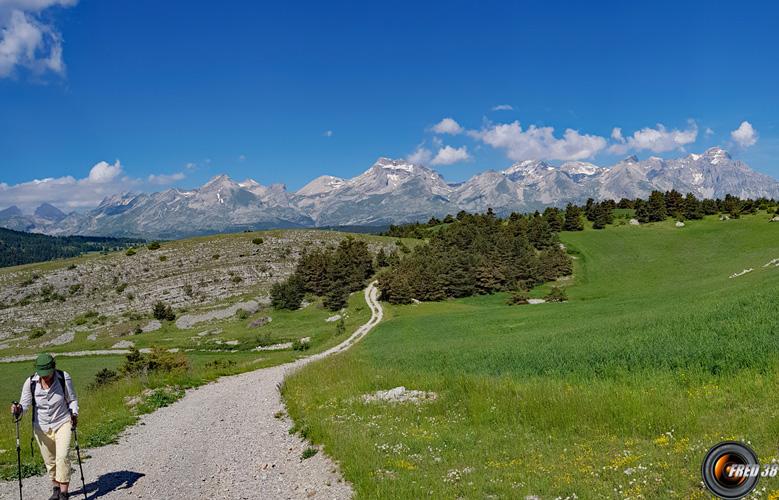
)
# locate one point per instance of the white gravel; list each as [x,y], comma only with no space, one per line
[215,443]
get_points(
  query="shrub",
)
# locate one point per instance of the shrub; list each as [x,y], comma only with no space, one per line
[163,258]
[36,333]
[138,330]
[518,298]
[257,241]
[130,252]
[137,363]
[556,294]
[236,279]
[72,267]
[104,377]
[215,256]
[74,289]
[163,311]
[288,294]
[301,345]
[340,326]
[241,314]
[308,453]
[154,245]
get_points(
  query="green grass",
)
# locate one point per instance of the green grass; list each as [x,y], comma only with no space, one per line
[619,392]
[103,412]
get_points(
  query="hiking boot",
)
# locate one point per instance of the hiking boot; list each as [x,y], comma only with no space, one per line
[64,495]
[55,493]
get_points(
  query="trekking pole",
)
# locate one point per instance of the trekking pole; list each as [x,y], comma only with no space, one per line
[18,451]
[80,467]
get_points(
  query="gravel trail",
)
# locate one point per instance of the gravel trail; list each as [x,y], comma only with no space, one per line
[220,441]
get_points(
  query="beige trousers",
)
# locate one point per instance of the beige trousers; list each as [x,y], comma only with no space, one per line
[55,445]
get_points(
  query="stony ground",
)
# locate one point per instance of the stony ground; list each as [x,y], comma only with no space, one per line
[51,303]
[227,440]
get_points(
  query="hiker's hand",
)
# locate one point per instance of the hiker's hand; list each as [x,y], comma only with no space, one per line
[74,420]
[16,410]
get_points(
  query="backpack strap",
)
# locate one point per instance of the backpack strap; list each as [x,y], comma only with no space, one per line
[61,378]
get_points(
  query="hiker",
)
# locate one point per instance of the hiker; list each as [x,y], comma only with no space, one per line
[55,413]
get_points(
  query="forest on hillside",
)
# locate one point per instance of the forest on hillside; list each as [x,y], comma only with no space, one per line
[18,248]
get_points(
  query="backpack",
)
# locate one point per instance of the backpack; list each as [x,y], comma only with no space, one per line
[60,375]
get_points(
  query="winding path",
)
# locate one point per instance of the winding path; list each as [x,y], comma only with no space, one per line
[221,440]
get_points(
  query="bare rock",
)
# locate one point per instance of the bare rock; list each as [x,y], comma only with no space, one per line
[123,344]
[634,222]
[400,395]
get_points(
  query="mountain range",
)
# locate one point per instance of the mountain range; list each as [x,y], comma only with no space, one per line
[392,191]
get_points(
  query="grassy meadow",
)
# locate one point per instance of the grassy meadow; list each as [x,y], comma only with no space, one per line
[617,393]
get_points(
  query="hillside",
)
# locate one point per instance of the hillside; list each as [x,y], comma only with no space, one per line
[18,247]
[621,389]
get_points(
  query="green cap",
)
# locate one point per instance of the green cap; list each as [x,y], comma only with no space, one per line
[44,364]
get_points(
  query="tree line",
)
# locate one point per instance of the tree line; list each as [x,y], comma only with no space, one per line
[477,254]
[17,247]
[331,273]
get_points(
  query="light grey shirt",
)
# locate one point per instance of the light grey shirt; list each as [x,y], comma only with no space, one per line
[52,409]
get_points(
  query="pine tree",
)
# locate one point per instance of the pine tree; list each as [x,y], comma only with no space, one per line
[692,207]
[573,221]
[642,211]
[656,207]
[674,203]
[553,219]
[599,217]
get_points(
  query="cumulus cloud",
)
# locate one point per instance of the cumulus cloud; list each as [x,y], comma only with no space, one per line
[26,40]
[658,139]
[539,143]
[448,155]
[447,126]
[420,156]
[69,193]
[503,107]
[745,135]
[104,172]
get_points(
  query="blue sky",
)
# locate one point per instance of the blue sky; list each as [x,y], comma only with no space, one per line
[283,92]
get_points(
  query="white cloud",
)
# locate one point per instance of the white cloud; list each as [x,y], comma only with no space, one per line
[241,157]
[658,139]
[539,143]
[448,155]
[69,193]
[26,40]
[165,179]
[503,107]
[420,156]
[745,135]
[447,126]
[104,172]
[709,131]
[328,133]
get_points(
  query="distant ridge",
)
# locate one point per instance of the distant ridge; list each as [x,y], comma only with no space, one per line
[394,191]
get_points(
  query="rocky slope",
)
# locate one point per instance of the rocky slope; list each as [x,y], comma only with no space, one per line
[394,191]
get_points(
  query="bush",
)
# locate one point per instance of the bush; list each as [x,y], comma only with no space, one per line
[556,294]
[288,294]
[154,245]
[163,311]
[104,377]
[137,363]
[236,279]
[518,298]
[163,258]
[257,241]
[36,333]
[241,314]
[308,453]
[301,345]
[130,252]
[340,326]
[215,256]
